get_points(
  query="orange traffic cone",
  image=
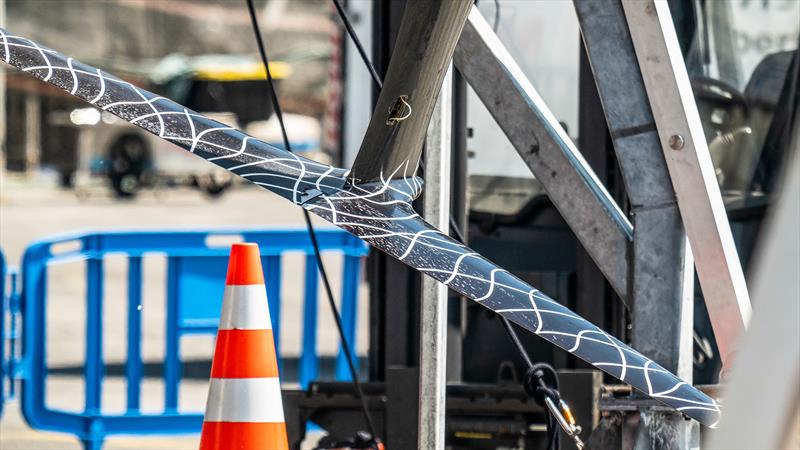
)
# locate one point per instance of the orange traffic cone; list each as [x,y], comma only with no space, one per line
[244,409]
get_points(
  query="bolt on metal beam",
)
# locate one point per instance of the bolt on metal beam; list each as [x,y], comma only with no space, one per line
[661,274]
[661,285]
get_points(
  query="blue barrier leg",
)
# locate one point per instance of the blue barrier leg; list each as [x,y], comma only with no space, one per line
[13,353]
[133,367]
[349,309]
[96,436]
[272,267]
[94,336]
[308,358]
[172,363]
[92,444]
[35,289]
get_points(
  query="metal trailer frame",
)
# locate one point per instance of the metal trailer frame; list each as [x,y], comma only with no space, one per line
[582,199]
[426,42]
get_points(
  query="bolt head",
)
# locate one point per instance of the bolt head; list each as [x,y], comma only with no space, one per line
[676,142]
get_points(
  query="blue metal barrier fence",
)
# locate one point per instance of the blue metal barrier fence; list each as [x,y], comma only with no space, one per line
[195,283]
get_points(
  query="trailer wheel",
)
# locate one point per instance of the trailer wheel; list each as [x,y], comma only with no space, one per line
[211,186]
[129,158]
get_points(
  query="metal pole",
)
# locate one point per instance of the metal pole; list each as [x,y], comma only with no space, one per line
[33,133]
[433,314]
[359,103]
[425,42]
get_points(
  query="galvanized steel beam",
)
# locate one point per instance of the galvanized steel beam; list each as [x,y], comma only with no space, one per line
[661,293]
[586,206]
[661,264]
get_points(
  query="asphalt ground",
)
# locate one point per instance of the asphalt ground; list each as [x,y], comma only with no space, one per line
[32,208]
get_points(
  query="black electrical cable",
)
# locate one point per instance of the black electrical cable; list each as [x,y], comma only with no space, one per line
[536,386]
[312,234]
[454,228]
[349,26]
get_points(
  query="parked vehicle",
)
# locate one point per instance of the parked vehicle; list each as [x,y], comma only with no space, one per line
[229,89]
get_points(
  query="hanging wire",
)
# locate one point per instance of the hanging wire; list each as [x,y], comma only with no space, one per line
[496,23]
[352,32]
[535,385]
[312,234]
[541,383]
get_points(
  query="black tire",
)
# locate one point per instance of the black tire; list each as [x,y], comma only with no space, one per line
[129,159]
[66,179]
[214,188]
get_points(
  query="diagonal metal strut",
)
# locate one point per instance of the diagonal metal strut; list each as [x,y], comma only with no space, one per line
[586,206]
